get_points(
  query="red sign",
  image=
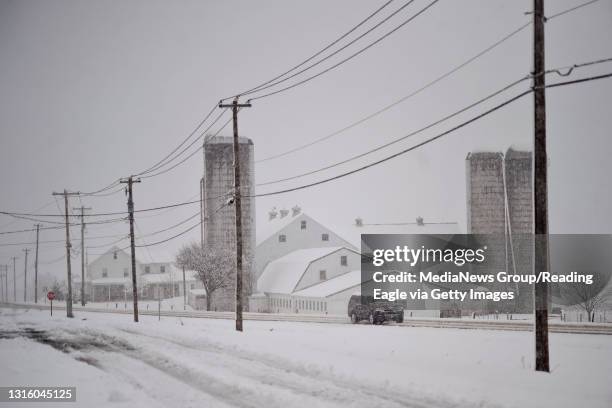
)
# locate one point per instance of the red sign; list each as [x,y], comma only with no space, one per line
[51,295]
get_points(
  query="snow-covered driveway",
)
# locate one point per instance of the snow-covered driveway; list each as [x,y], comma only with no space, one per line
[197,362]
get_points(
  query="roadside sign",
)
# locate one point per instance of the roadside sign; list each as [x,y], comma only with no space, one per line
[51,296]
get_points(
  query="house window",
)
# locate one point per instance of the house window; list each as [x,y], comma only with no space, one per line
[115,255]
[193,286]
[282,238]
[104,273]
[125,272]
[147,269]
[162,269]
[343,260]
[322,275]
[303,225]
[325,237]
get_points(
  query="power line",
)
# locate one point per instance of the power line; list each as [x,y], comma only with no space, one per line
[316,54]
[182,151]
[24,215]
[402,99]
[280,81]
[480,101]
[438,136]
[571,9]
[181,233]
[347,58]
[429,84]
[157,165]
[195,151]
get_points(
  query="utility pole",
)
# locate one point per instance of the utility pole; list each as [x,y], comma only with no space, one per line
[540,196]
[129,181]
[68,246]
[14,280]
[202,211]
[238,208]
[2,286]
[82,209]
[36,265]
[184,291]
[25,275]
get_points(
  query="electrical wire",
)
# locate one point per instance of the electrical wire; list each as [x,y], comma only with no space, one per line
[143,175]
[402,99]
[571,9]
[378,148]
[195,151]
[183,232]
[432,139]
[316,54]
[456,113]
[280,81]
[308,79]
[159,163]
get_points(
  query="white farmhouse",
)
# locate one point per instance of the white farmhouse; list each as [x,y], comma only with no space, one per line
[109,278]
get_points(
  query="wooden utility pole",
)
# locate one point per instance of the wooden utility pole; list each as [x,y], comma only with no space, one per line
[238,208]
[129,181]
[184,291]
[36,265]
[25,275]
[14,280]
[68,246]
[6,282]
[82,209]
[540,196]
[202,211]
[2,285]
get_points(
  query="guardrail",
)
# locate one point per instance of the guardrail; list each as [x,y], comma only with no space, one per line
[512,325]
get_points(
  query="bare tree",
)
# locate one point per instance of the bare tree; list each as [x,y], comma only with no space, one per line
[215,266]
[588,297]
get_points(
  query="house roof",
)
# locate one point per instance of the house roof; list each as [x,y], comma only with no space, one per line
[283,274]
[332,286]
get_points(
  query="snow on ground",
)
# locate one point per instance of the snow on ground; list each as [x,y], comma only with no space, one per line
[189,362]
[170,304]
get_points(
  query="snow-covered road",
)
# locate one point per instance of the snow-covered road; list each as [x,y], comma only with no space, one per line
[198,362]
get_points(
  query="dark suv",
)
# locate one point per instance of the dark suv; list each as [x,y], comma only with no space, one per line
[376,312]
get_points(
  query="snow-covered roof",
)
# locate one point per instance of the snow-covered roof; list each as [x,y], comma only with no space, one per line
[112,281]
[283,274]
[198,292]
[332,286]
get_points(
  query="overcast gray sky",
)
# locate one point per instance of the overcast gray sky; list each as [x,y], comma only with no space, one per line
[95,90]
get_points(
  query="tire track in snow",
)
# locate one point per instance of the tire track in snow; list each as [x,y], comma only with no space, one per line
[297,378]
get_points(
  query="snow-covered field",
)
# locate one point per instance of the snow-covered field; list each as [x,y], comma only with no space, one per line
[170,304]
[205,363]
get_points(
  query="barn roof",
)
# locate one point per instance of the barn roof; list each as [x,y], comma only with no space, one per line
[332,286]
[283,274]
